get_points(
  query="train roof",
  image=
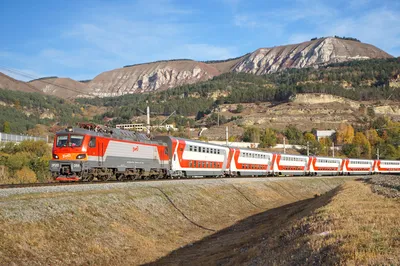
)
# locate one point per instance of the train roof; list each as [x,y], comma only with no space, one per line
[110,133]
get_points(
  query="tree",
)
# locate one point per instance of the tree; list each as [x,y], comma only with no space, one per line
[269,138]
[293,134]
[313,145]
[6,127]
[239,108]
[251,134]
[345,134]
[325,145]
[361,148]
[372,136]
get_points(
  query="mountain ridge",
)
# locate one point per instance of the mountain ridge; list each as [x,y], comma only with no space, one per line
[166,74]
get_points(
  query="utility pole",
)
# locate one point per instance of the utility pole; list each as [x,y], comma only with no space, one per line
[218,118]
[284,145]
[188,125]
[148,119]
[377,153]
[308,148]
[226,135]
[333,149]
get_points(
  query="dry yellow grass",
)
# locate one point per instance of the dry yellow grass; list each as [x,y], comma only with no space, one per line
[136,225]
[347,226]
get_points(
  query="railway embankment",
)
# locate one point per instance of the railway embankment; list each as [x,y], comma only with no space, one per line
[357,223]
[142,222]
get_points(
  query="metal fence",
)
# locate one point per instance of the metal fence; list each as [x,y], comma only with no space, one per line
[18,138]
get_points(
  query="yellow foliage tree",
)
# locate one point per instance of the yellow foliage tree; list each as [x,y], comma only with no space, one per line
[372,136]
[361,142]
[326,144]
[309,137]
[345,134]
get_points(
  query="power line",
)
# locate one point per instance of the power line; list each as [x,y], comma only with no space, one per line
[23,74]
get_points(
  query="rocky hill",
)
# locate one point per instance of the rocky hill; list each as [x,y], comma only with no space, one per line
[167,74]
[307,54]
[150,77]
[162,75]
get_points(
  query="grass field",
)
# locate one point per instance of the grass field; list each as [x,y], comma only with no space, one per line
[131,226]
[350,225]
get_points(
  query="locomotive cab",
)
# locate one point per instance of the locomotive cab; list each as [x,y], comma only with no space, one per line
[69,155]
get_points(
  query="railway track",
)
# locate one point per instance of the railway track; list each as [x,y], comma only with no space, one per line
[75,183]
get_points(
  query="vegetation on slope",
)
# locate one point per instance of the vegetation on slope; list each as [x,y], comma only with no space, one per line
[356,80]
[23,111]
[27,162]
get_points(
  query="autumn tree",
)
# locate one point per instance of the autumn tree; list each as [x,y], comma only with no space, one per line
[372,136]
[360,148]
[345,134]
[325,145]
[314,146]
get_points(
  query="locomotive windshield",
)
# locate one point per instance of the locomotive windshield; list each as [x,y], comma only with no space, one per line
[69,140]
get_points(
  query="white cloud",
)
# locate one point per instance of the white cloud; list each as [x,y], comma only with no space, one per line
[377,26]
[245,21]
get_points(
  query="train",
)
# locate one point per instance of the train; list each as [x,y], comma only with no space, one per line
[92,152]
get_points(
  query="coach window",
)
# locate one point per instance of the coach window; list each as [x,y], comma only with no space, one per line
[208,151]
[190,164]
[92,142]
[190,148]
[204,149]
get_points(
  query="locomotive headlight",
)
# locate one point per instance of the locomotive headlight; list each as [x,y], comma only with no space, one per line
[81,156]
[55,156]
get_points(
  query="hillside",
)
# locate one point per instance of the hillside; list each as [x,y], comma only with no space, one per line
[166,74]
[8,83]
[26,111]
[61,87]
[307,54]
[150,77]
[371,80]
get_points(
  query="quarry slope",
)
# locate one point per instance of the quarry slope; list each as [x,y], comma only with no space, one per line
[307,54]
[134,223]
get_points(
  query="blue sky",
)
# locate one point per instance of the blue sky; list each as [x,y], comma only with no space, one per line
[81,39]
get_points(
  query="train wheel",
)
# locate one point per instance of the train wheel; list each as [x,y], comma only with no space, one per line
[120,177]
